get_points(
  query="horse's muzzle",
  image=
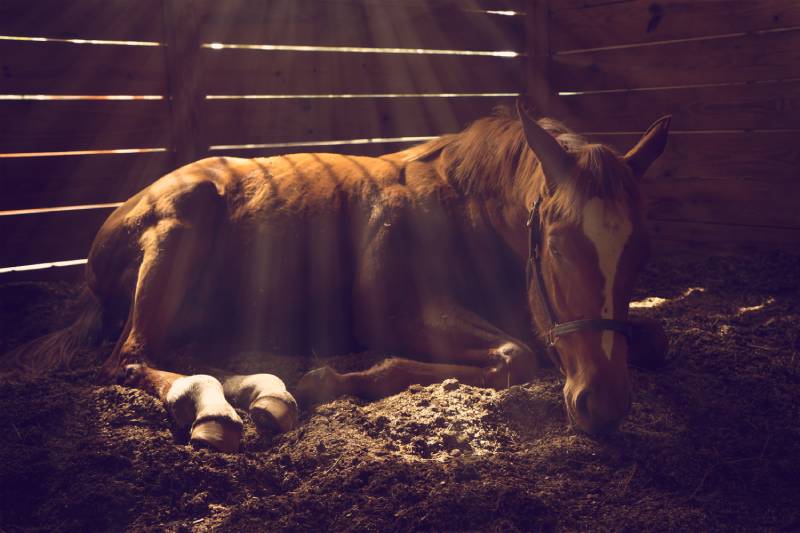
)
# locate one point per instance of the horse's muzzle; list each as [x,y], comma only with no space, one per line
[594,412]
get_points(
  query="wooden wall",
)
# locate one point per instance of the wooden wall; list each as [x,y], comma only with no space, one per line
[727,70]
[729,73]
[65,153]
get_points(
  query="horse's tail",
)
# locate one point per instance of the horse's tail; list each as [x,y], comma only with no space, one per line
[57,350]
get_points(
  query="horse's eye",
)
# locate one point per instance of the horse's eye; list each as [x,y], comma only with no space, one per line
[555,251]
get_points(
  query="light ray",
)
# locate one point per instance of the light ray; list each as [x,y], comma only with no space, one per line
[41,266]
[321,143]
[360,49]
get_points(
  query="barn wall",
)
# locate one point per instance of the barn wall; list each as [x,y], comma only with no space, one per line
[65,163]
[729,73]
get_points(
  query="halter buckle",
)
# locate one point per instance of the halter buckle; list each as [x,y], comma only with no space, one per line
[551,338]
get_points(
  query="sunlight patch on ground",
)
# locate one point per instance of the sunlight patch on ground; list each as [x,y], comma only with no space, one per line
[759,307]
[655,301]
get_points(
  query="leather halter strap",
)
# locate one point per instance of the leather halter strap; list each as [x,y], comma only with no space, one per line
[533,268]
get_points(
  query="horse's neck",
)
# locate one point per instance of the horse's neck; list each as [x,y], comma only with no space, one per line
[505,203]
[513,210]
[507,214]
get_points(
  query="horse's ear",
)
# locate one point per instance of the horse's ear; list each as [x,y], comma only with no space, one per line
[556,162]
[649,147]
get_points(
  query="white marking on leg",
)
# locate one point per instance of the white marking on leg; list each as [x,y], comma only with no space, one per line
[197,397]
[608,230]
[242,391]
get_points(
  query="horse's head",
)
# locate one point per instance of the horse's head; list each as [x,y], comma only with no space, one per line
[589,241]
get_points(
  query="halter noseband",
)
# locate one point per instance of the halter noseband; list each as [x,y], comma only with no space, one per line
[559,329]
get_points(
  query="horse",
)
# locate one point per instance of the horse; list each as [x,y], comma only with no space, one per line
[485,255]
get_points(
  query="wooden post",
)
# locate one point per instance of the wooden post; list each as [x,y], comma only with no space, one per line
[540,91]
[183,63]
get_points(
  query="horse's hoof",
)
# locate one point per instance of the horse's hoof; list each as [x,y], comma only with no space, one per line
[131,375]
[273,415]
[216,435]
[320,385]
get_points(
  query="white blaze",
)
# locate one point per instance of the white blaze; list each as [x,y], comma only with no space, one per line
[609,231]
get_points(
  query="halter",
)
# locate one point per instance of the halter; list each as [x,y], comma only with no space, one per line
[565,328]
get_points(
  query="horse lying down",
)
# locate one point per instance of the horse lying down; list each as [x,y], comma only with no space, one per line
[445,254]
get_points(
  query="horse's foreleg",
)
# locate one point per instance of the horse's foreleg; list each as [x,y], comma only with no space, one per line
[448,333]
[197,404]
[461,346]
[384,379]
[271,407]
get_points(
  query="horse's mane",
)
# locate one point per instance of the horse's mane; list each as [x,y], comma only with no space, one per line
[492,154]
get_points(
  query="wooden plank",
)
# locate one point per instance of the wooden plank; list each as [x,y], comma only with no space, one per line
[751,203]
[72,273]
[744,107]
[572,4]
[46,237]
[368,149]
[720,239]
[269,121]
[769,56]
[541,92]
[234,71]
[65,68]
[36,182]
[765,156]
[58,125]
[645,21]
[479,5]
[82,19]
[183,74]
[360,23]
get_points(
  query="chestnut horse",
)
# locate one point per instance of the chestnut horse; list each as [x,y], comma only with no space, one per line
[421,253]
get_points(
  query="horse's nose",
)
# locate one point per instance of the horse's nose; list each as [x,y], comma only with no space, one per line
[598,413]
[582,405]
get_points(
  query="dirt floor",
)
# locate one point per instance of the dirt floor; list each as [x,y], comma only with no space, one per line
[712,442]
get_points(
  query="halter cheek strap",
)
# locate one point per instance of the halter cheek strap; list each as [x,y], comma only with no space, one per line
[533,268]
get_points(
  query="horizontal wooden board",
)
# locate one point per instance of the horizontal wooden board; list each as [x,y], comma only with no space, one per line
[557,5]
[720,239]
[370,149]
[67,68]
[769,56]
[36,182]
[766,156]
[480,5]
[645,21]
[742,107]
[118,20]
[235,71]
[359,23]
[268,121]
[59,125]
[72,273]
[39,238]
[752,203]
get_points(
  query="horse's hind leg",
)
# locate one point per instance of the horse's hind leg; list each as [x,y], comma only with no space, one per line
[197,404]
[271,407]
[173,250]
